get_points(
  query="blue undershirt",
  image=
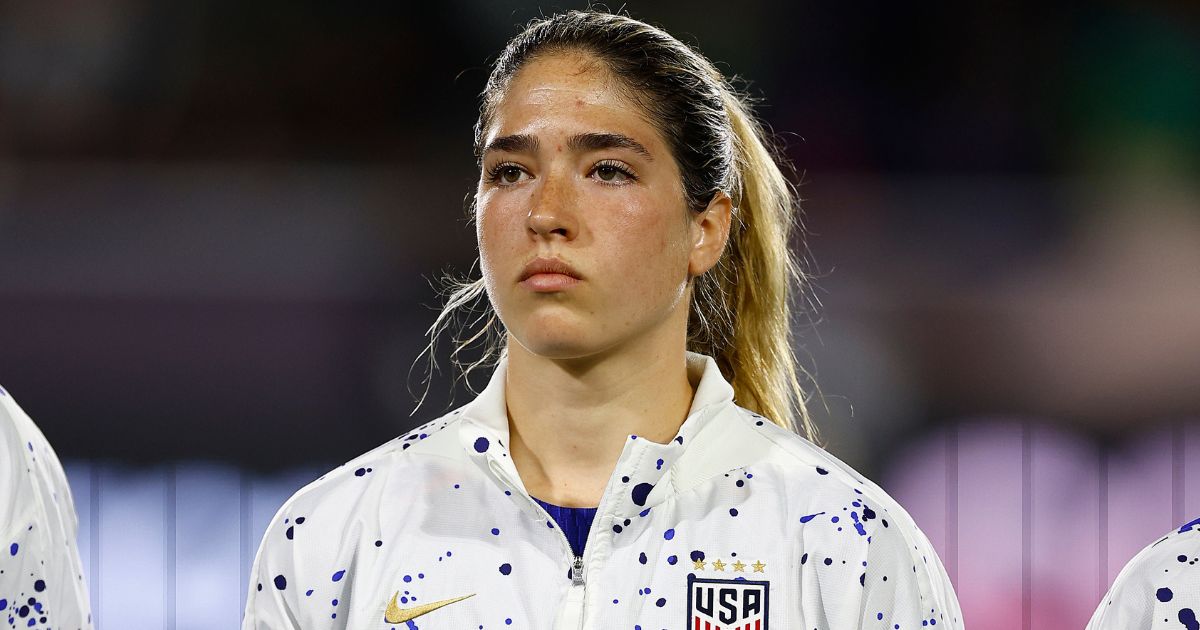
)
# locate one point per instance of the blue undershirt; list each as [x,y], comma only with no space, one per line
[574,522]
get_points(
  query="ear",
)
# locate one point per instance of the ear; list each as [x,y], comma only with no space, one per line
[710,232]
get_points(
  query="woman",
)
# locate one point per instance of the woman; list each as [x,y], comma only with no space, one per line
[633,231]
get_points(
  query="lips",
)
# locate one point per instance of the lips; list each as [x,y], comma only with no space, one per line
[548,266]
[549,275]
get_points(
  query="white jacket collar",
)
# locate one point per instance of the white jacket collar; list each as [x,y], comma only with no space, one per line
[484,435]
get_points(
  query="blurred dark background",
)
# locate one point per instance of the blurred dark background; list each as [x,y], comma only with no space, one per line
[222,224]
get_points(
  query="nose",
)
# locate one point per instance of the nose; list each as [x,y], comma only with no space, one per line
[553,210]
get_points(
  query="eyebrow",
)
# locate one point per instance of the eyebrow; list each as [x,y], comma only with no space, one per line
[525,143]
[518,143]
[597,141]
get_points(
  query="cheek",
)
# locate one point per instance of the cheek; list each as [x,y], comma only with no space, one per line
[496,227]
[493,233]
[652,243]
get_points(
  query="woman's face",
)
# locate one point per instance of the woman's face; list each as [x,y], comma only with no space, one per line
[573,174]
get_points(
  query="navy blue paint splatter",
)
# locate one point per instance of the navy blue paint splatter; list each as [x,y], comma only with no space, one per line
[640,492]
[1187,617]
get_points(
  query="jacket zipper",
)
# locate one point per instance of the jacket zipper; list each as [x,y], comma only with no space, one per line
[577,566]
[576,561]
[577,571]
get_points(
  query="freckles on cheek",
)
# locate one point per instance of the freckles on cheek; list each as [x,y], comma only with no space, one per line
[501,219]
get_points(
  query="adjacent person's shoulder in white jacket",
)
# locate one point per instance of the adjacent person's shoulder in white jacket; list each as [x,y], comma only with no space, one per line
[1159,588]
[41,577]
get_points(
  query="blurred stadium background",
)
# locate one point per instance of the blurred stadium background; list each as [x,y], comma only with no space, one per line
[220,221]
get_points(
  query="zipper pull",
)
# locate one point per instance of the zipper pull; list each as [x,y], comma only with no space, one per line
[577,571]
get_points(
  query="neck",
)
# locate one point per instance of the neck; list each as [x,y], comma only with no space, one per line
[569,419]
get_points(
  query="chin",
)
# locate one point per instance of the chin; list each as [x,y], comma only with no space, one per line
[555,332]
[556,344]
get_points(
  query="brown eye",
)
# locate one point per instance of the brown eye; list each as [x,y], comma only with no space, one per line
[510,174]
[608,173]
[612,173]
[504,174]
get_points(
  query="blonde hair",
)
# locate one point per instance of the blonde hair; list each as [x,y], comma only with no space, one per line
[740,313]
[756,350]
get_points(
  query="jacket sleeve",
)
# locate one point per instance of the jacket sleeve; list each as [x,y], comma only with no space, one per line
[904,583]
[870,567]
[41,576]
[305,560]
[271,603]
[1128,605]
[1161,582]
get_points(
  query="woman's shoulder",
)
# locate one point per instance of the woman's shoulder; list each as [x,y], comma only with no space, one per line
[17,430]
[38,516]
[1163,579]
[834,497]
[810,469]
[347,484]
[850,527]
[26,457]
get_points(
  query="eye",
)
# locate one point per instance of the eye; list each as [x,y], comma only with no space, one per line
[504,173]
[613,172]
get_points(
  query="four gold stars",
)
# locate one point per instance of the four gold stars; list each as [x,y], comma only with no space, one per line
[737,565]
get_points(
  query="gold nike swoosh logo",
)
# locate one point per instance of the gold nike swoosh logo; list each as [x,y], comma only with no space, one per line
[396,614]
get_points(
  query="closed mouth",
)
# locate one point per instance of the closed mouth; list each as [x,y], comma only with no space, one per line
[548,265]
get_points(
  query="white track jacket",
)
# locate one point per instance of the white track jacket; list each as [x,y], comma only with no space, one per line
[735,523]
[41,577]
[1159,588]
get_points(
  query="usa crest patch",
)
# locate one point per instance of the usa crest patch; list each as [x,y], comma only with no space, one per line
[727,604]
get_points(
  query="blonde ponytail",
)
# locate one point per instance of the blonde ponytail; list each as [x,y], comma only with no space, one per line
[759,356]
